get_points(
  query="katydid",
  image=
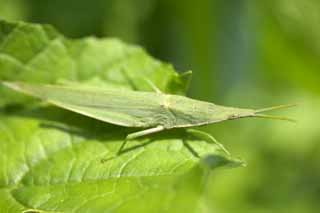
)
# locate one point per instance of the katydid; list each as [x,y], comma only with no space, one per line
[152,111]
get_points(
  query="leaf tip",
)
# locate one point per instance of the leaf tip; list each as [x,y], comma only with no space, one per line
[215,161]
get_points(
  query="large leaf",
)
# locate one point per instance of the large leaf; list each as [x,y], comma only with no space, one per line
[53,160]
[38,53]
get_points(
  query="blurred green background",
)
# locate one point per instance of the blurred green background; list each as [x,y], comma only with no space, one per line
[245,53]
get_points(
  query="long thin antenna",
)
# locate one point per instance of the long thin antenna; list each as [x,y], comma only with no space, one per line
[275,117]
[275,107]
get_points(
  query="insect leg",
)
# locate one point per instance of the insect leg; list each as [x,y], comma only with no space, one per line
[122,146]
[191,150]
[153,86]
[207,137]
[139,134]
[144,132]
[186,77]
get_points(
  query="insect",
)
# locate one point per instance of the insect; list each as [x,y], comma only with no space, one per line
[151,111]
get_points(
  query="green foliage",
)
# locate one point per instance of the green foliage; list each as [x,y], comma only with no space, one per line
[243,53]
[52,160]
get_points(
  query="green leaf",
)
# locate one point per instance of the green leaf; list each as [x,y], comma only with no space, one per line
[36,53]
[53,160]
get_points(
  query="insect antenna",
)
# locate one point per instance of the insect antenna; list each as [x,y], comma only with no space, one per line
[275,108]
[258,115]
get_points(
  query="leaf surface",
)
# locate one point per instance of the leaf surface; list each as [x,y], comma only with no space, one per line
[53,160]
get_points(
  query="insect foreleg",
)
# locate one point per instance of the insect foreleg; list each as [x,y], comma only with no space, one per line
[207,137]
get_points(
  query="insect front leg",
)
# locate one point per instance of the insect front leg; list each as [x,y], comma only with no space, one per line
[207,137]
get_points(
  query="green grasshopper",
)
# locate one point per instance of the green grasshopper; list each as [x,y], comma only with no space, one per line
[152,111]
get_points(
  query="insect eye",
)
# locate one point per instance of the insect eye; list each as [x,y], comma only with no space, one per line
[233,116]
